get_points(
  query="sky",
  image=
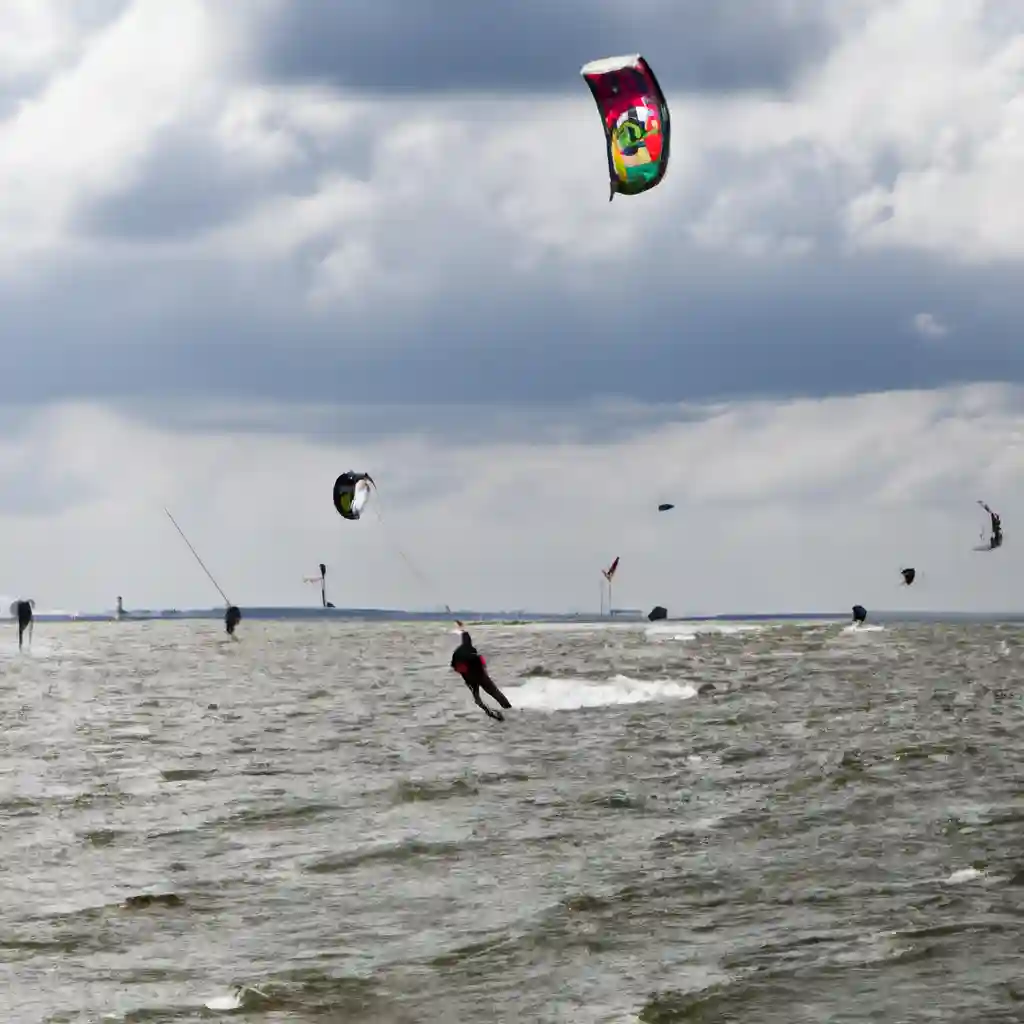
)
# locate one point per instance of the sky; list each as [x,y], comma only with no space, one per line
[309,237]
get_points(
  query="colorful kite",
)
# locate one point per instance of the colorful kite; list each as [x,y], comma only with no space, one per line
[637,126]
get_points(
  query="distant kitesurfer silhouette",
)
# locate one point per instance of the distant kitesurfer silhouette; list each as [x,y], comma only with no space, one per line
[23,610]
[323,586]
[232,614]
[322,580]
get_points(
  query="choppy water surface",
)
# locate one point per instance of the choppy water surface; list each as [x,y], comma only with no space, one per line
[320,815]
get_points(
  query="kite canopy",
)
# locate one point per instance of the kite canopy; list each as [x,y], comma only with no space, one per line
[909,575]
[637,125]
[657,613]
[351,491]
[859,613]
[665,507]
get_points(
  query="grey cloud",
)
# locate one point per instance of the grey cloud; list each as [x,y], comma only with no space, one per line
[185,185]
[438,45]
[357,421]
[672,323]
[25,493]
[702,332]
[182,188]
[95,15]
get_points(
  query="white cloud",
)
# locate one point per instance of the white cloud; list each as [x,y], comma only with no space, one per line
[945,93]
[928,325]
[798,506]
[908,135]
[84,135]
[36,36]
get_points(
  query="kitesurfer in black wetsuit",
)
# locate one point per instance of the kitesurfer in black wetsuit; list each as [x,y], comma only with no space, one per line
[323,586]
[24,620]
[232,617]
[467,661]
[996,539]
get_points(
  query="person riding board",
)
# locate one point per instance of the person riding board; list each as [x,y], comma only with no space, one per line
[471,665]
[996,539]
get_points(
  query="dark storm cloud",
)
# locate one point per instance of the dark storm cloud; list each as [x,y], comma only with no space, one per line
[133,321]
[530,45]
[702,333]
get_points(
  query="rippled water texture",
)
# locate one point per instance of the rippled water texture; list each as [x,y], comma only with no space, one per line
[316,824]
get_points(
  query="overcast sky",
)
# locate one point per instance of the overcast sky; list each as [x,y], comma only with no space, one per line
[249,246]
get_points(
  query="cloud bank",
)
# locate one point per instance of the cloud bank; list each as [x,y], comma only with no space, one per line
[804,505]
[298,242]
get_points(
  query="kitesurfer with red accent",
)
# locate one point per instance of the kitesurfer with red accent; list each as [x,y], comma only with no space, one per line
[469,663]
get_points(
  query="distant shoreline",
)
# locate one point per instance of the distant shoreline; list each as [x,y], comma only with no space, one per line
[292,613]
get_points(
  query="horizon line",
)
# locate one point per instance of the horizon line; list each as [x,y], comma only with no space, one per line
[630,615]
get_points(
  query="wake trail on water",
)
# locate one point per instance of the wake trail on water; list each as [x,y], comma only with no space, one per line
[543,693]
[683,631]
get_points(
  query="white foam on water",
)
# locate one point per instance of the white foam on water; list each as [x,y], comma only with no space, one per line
[36,648]
[683,631]
[964,875]
[232,1001]
[235,999]
[563,627]
[43,645]
[547,694]
[853,627]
